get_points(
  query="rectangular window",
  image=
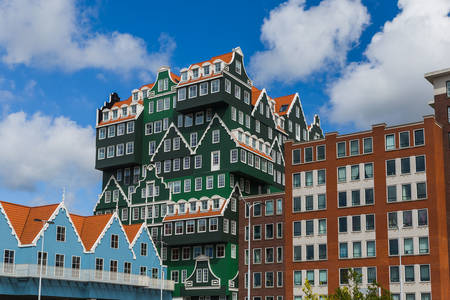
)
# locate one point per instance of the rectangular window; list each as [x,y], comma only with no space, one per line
[321,177]
[114,241]
[368,170]
[404,139]
[341,151]
[390,167]
[297,253]
[297,278]
[342,175]
[356,223]
[368,145]
[237,91]
[356,249]
[356,198]
[355,172]
[215,86]
[423,245]
[343,250]
[320,152]
[297,204]
[406,192]
[408,247]
[354,147]
[321,201]
[60,233]
[322,251]
[309,178]
[409,273]
[296,180]
[309,201]
[181,94]
[405,165]
[392,193]
[342,199]
[369,198]
[192,91]
[370,222]
[393,247]
[342,224]
[394,274]
[390,142]
[370,248]
[203,88]
[59,264]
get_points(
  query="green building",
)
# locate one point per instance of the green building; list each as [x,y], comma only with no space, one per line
[179,154]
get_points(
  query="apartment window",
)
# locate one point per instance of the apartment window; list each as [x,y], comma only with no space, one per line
[405,165]
[111,131]
[297,228]
[297,278]
[297,253]
[425,296]
[59,264]
[322,202]
[370,222]
[370,248]
[237,91]
[121,129]
[192,91]
[130,148]
[343,250]
[309,178]
[408,246]
[342,224]
[323,277]
[368,170]
[356,223]
[279,230]
[390,167]
[279,209]
[322,251]
[60,233]
[102,133]
[296,180]
[8,261]
[257,279]
[421,190]
[203,88]
[309,202]
[238,67]
[228,86]
[392,220]
[279,283]
[369,199]
[342,175]
[355,172]
[392,193]
[420,163]
[321,152]
[394,274]
[393,247]
[404,139]
[215,86]
[269,255]
[296,155]
[356,198]
[342,199]
[297,205]
[409,274]
[322,226]
[213,224]
[423,245]
[406,192]
[321,177]
[419,138]
[354,147]
[407,218]
[390,141]
[341,149]
[424,272]
[309,227]
[181,94]
[310,276]
[367,145]
[356,249]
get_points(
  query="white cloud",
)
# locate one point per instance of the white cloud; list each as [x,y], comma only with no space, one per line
[301,41]
[39,148]
[54,33]
[389,86]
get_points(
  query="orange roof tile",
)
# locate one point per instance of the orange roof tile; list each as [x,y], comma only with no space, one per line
[150,85]
[254,151]
[129,117]
[22,219]
[89,228]
[175,76]
[208,213]
[281,101]
[132,230]
[255,95]
[199,78]
[224,57]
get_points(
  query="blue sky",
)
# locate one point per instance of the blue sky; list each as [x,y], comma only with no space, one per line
[355,63]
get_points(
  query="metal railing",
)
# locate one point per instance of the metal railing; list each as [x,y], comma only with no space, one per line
[89,275]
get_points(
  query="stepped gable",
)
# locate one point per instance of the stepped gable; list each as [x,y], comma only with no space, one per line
[89,228]
[22,218]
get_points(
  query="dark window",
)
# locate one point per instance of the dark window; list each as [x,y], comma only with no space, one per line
[424,272]
[341,149]
[310,252]
[269,231]
[419,137]
[420,163]
[343,224]
[296,156]
[322,202]
[342,199]
[368,145]
[297,253]
[323,251]
[309,227]
[394,274]
[370,222]
[308,154]
[421,190]
[343,276]
[369,195]
[354,147]
[114,241]
[60,233]
[356,223]
[321,152]
[392,193]
[392,218]
[409,273]
[297,204]
[343,250]
[309,202]
[297,228]
[356,198]
[404,139]
[393,247]
[390,167]
[407,218]
[422,217]
[405,165]
[296,180]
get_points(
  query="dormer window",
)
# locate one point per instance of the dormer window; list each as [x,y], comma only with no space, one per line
[170,209]
[163,84]
[216,203]
[144,94]
[238,67]
[217,67]
[195,73]
[133,109]
[184,76]
[115,113]
[135,96]
[204,204]
[193,207]
[106,116]
[124,111]
[182,208]
[205,70]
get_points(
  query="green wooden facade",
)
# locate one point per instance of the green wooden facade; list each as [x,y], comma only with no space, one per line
[200,142]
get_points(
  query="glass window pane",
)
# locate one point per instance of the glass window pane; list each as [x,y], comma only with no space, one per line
[420,163]
[342,199]
[390,142]
[405,165]
[368,170]
[393,247]
[390,167]
[404,139]
[369,196]
[342,176]
[368,145]
[419,137]
[423,245]
[392,193]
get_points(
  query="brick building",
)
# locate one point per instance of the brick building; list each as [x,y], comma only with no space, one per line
[267,247]
[359,200]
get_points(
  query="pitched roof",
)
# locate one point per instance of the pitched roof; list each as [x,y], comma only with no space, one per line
[255,95]
[243,145]
[150,85]
[132,230]
[175,77]
[224,57]
[282,104]
[196,214]
[22,219]
[89,228]
[118,105]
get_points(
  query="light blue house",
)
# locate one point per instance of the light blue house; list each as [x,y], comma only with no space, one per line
[95,257]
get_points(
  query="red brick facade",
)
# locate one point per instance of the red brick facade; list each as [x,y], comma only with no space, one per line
[268,216]
[411,200]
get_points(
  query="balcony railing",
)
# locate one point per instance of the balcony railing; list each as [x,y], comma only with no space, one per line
[59,273]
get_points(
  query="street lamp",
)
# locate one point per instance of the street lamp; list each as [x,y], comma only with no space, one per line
[42,254]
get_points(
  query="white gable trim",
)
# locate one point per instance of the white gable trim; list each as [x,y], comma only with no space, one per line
[172,125]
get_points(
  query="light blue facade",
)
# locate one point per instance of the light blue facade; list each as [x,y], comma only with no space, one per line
[21,275]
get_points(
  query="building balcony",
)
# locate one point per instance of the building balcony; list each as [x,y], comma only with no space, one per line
[83,275]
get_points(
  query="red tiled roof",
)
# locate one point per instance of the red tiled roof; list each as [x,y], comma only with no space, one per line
[89,228]
[255,95]
[175,77]
[150,86]
[132,230]
[284,100]
[254,151]
[22,219]
[198,79]
[224,57]
[129,117]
